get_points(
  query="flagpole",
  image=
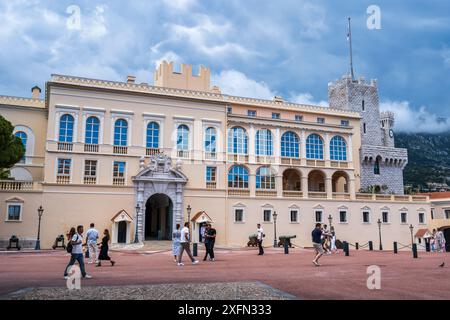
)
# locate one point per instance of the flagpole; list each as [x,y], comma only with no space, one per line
[351,50]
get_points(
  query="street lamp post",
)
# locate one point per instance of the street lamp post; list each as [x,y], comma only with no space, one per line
[330,219]
[275,215]
[136,236]
[38,240]
[189,209]
[411,228]
[379,233]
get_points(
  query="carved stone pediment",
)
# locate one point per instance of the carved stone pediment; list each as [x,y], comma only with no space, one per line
[160,168]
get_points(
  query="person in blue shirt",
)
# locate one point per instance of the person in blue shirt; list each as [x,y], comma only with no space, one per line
[317,243]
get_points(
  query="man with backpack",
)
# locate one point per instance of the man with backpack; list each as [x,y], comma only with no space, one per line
[75,248]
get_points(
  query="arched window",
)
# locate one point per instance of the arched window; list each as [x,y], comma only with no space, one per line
[290,145]
[314,147]
[92,130]
[237,141]
[153,135]
[338,149]
[238,177]
[183,137]
[210,140]
[264,143]
[376,167]
[66,128]
[265,179]
[120,133]
[23,137]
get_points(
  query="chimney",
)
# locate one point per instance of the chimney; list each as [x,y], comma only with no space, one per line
[36,93]
[131,79]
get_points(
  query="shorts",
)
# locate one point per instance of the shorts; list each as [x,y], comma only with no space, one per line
[318,248]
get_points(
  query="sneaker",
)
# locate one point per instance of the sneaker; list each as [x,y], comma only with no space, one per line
[316,263]
[212,259]
[180,264]
[66,277]
[87,277]
[195,262]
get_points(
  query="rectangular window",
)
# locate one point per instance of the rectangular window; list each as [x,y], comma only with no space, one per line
[211,174]
[251,113]
[90,168]
[14,211]
[238,215]
[119,169]
[294,215]
[345,123]
[432,214]
[364,128]
[267,215]
[421,218]
[403,217]
[363,105]
[385,216]
[64,167]
[318,216]
[447,214]
[366,216]
[321,120]
[343,216]
[275,115]
[229,110]
[298,118]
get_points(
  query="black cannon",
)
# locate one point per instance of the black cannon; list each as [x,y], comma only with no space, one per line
[253,240]
[58,240]
[284,239]
[14,243]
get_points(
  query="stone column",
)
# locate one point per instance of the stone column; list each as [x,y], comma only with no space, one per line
[251,144]
[279,184]
[303,145]
[329,187]
[277,146]
[351,189]
[252,183]
[350,148]
[304,185]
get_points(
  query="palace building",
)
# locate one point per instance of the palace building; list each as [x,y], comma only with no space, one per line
[132,157]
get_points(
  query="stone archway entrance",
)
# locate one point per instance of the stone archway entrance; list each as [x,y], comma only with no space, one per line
[158,217]
[159,190]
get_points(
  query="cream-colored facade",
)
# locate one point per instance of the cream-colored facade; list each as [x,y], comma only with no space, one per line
[101,148]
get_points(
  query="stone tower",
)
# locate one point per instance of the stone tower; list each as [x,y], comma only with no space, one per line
[381,163]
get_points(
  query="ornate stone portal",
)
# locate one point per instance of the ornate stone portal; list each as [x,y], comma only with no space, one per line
[158,177]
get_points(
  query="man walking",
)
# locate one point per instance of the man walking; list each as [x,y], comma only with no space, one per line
[317,243]
[77,253]
[210,239]
[259,238]
[184,245]
[91,243]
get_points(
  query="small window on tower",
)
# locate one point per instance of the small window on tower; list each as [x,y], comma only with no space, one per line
[364,128]
[363,105]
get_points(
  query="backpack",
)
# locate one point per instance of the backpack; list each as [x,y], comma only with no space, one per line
[69,247]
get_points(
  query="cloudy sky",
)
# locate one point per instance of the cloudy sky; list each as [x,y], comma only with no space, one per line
[255,48]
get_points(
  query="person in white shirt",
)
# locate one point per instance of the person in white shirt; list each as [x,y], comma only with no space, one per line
[77,253]
[259,238]
[91,243]
[185,240]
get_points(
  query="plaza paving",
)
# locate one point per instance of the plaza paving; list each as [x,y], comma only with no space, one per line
[339,277]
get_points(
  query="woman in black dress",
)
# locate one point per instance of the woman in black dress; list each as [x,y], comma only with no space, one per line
[104,250]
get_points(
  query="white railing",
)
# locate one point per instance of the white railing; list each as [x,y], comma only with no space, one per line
[183,154]
[266,193]
[239,192]
[120,150]
[118,181]
[211,185]
[210,155]
[292,194]
[63,179]
[12,185]
[65,146]
[291,161]
[90,180]
[152,151]
[91,148]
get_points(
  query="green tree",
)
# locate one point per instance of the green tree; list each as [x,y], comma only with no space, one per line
[11,148]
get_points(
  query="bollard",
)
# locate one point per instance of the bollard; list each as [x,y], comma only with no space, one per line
[395,247]
[370,246]
[427,246]
[194,250]
[346,248]
[286,247]
[357,246]
[414,250]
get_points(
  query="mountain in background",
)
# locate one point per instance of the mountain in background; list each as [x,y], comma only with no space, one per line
[429,158]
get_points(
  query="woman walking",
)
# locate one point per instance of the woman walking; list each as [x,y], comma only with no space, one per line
[104,250]
[333,240]
[176,236]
